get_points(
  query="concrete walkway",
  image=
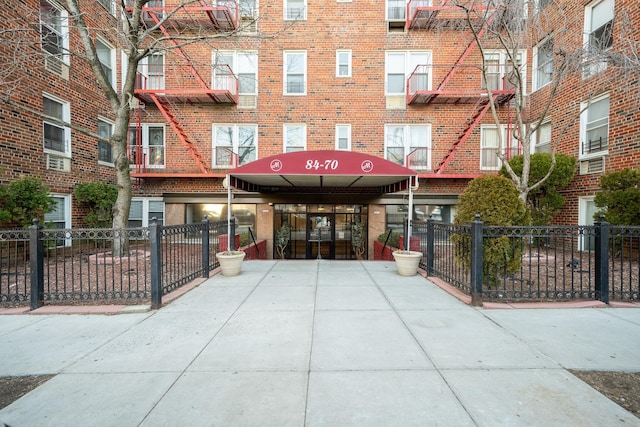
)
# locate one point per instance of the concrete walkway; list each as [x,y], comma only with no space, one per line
[319,343]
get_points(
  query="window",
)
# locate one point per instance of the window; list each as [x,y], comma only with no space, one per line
[400,65]
[229,139]
[248,15]
[295,138]
[107,57]
[295,79]
[542,137]
[60,216]
[143,210]
[594,127]
[109,5]
[105,130]
[243,64]
[499,69]
[396,10]
[408,141]
[152,70]
[599,24]
[54,30]
[343,63]
[598,34]
[343,137]
[490,143]
[295,10]
[57,138]
[541,4]
[543,64]
[147,146]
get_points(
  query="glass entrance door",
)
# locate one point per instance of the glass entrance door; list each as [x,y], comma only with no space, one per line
[321,236]
[320,231]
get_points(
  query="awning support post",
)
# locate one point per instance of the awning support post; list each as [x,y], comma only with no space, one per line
[410,216]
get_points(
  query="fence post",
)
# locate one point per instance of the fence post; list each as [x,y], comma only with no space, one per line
[405,227]
[205,247]
[430,245]
[602,260]
[36,265]
[476,261]
[155,240]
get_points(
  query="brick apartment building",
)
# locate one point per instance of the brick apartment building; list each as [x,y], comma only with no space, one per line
[322,112]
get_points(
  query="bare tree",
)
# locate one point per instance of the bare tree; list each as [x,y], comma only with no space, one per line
[31,37]
[513,27]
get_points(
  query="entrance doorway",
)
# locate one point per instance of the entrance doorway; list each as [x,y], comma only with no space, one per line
[319,231]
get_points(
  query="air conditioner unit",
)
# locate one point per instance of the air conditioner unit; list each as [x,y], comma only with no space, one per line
[247,101]
[56,66]
[58,163]
[592,166]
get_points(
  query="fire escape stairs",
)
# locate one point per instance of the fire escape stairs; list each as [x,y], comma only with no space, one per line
[480,109]
[182,135]
[163,106]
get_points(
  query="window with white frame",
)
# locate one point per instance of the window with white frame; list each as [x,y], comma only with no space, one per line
[57,138]
[105,130]
[107,57]
[229,139]
[542,137]
[499,70]
[541,4]
[60,216]
[543,63]
[109,5]
[343,137]
[242,64]
[143,210]
[343,63]
[396,10]
[295,69]
[147,146]
[598,34]
[295,137]
[399,65]
[152,70]
[408,145]
[295,10]
[594,127]
[248,9]
[54,30]
[490,145]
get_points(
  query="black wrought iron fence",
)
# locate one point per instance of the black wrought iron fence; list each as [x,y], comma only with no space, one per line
[58,266]
[552,263]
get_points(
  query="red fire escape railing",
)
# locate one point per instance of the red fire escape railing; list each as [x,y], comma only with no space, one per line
[223,16]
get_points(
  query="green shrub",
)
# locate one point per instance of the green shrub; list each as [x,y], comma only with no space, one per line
[394,239]
[619,197]
[496,200]
[23,200]
[545,201]
[99,199]
[245,239]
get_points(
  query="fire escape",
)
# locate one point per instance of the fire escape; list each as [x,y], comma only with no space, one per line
[423,15]
[166,84]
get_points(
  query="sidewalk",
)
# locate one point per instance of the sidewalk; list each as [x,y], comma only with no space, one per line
[319,343]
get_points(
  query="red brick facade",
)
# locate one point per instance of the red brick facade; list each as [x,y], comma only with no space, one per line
[358,100]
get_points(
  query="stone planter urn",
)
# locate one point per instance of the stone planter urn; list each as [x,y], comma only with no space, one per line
[230,262]
[407,262]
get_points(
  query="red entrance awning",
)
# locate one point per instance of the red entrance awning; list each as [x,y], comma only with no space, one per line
[325,169]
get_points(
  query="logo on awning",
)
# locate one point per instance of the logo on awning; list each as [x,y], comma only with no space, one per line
[367,166]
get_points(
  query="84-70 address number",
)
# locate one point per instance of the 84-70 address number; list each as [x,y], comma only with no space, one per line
[325,165]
